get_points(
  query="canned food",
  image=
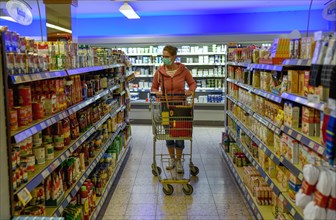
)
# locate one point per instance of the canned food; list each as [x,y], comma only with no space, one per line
[13,159]
[10,96]
[39,153]
[24,95]
[29,145]
[37,135]
[13,119]
[21,115]
[49,151]
[38,110]
[29,114]
[30,160]
[23,148]
[59,142]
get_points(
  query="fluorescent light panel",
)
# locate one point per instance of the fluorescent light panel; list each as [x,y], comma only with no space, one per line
[58,28]
[8,18]
[128,11]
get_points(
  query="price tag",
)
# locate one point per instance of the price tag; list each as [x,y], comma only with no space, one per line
[314,99]
[33,130]
[24,196]
[299,137]
[281,197]
[45,173]
[311,145]
[300,176]
[293,212]
[26,78]
[68,199]
[53,120]
[266,179]
[281,159]
[257,166]
[318,35]
[272,186]
[17,79]
[272,156]
[332,104]
[56,163]
[62,158]
[290,131]
[320,150]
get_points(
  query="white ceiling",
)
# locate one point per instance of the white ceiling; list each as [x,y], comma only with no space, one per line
[109,8]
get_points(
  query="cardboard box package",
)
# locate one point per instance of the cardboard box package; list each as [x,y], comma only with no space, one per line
[293,81]
[308,121]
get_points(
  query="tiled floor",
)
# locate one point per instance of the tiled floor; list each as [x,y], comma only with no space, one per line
[139,194]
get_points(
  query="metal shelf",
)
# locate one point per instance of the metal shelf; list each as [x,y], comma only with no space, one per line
[106,191]
[313,143]
[291,167]
[273,184]
[261,145]
[74,189]
[266,67]
[270,96]
[39,125]
[260,212]
[240,64]
[62,156]
[297,62]
[303,101]
[204,64]
[25,78]
[91,69]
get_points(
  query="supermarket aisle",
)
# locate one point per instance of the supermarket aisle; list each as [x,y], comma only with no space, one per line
[139,195]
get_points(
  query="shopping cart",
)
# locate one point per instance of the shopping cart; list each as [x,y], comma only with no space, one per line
[172,119]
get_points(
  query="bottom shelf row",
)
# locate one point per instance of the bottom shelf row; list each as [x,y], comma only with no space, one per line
[84,198]
[262,200]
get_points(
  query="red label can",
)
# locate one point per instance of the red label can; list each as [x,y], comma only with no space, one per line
[10,98]
[24,95]
[38,111]
[13,119]
[29,113]
[22,116]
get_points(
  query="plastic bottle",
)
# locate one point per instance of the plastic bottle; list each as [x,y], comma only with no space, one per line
[84,90]
[85,202]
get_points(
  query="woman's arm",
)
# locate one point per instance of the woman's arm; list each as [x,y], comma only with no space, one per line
[155,82]
[191,82]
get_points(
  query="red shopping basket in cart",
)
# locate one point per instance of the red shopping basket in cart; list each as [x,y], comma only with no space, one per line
[180,121]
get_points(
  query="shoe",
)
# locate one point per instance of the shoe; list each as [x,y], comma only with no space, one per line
[171,164]
[179,167]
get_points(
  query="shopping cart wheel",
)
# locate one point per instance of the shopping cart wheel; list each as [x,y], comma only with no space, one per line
[168,189]
[194,170]
[155,173]
[188,189]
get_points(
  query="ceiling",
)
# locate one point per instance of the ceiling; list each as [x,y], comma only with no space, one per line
[109,8]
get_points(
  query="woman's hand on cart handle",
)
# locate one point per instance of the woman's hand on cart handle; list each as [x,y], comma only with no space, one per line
[189,93]
[156,93]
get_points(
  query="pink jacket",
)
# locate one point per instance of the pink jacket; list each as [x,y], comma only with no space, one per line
[175,84]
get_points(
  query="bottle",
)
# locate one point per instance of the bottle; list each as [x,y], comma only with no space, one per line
[66,131]
[85,202]
[84,90]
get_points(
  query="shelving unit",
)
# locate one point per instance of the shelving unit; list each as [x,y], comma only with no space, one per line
[313,143]
[260,212]
[145,63]
[117,104]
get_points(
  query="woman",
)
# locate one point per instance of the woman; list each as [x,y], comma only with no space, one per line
[173,75]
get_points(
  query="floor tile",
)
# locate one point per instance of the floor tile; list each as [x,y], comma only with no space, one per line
[137,217]
[172,210]
[140,209]
[113,217]
[199,209]
[200,217]
[143,198]
[139,194]
[171,217]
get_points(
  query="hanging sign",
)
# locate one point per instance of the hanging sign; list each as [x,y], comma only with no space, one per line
[20,12]
[329,12]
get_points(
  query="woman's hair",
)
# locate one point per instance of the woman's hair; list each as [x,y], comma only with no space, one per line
[171,50]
